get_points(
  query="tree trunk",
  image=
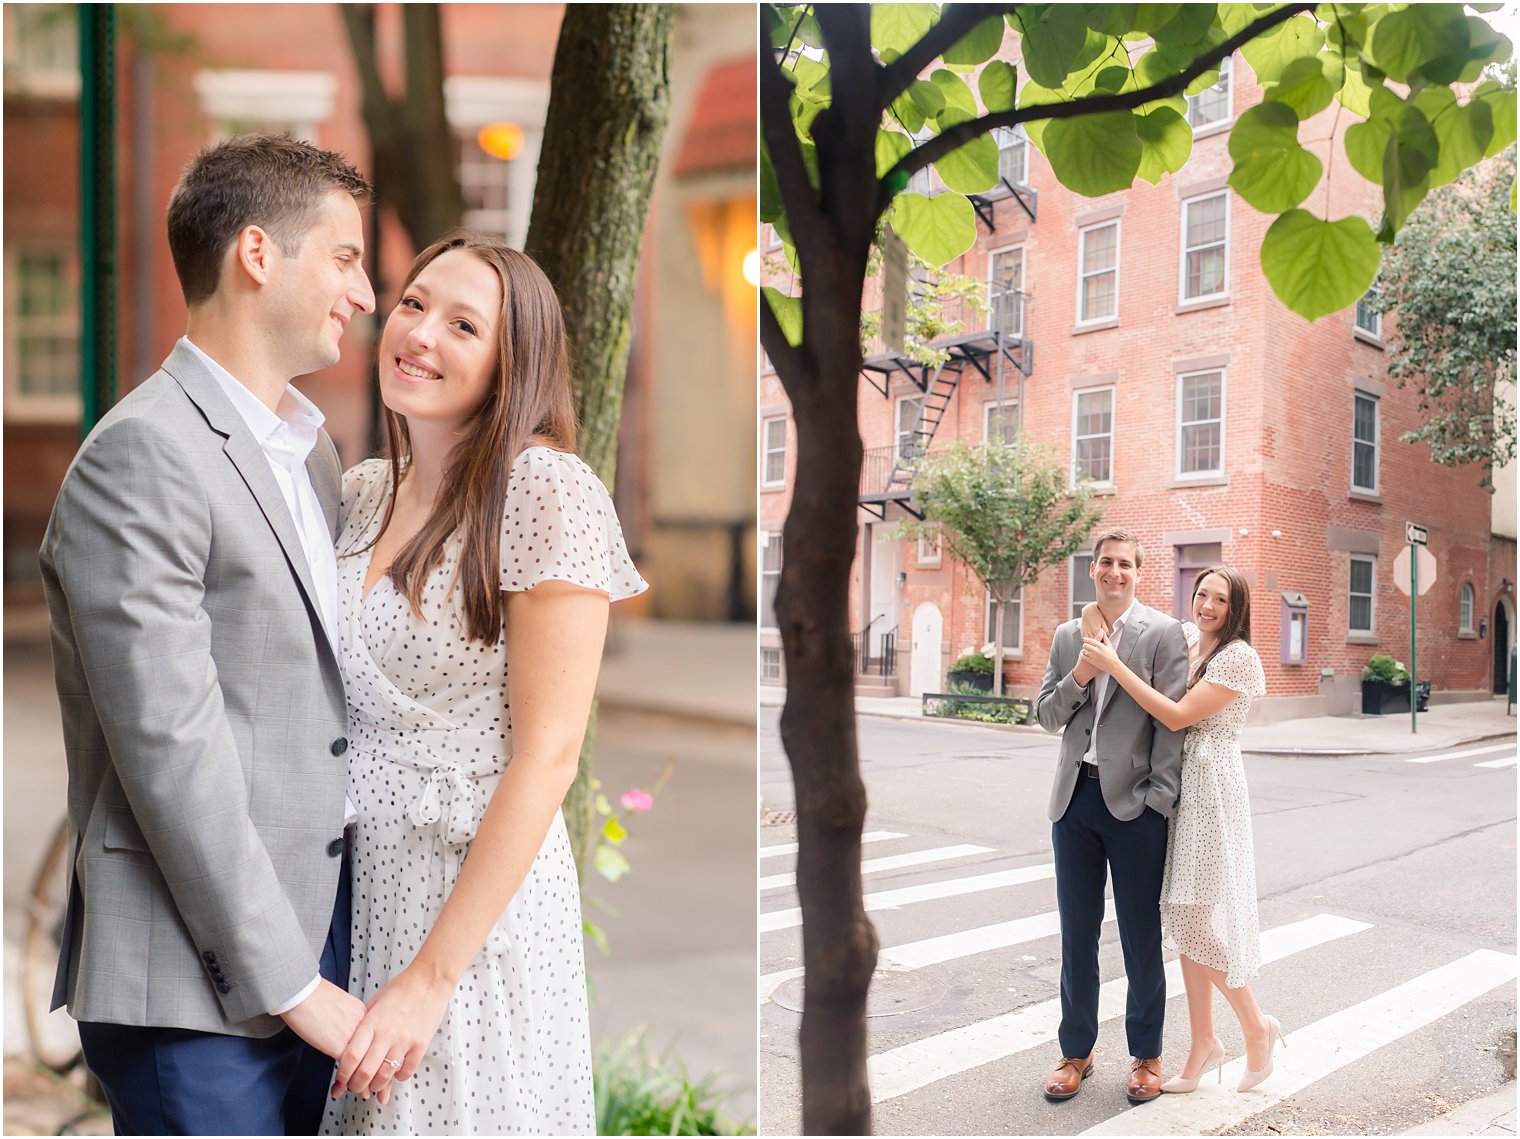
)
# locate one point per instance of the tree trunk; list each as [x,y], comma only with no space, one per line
[609,99]
[997,647]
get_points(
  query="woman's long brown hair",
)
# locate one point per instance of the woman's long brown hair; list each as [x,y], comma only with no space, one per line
[531,400]
[1237,621]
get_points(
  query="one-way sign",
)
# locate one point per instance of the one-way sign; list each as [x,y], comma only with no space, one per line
[1415,535]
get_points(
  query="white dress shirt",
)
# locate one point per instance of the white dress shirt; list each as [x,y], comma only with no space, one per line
[1098,686]
[287,436]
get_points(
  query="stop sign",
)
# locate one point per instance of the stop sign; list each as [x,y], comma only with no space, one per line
[1427,567]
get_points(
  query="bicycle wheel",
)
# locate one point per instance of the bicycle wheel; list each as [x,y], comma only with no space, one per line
[54,1035]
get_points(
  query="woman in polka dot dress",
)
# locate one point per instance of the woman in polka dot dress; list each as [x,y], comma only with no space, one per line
[1208,896]
[476,575]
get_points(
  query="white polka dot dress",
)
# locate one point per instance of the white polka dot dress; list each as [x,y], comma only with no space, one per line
[1208,896]
[430,734]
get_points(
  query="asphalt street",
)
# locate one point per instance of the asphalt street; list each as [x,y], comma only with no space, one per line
[1387,899]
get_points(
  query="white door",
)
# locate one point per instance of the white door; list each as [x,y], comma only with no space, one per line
[927,647]
[886,564]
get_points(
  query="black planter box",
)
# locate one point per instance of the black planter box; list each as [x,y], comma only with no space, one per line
[981,681]
[1381,699]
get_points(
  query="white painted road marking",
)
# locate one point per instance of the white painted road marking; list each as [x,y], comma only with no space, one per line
[1507,761]
[1493,749]
[1320,1049]
[781,848]
[891,862]
[909,1067]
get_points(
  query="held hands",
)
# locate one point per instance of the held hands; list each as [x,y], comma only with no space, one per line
[326,1019]
[400,1023]
[1097,653]
[1093,626]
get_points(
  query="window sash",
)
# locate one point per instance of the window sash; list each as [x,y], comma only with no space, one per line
[1013,622]
[770,578]
[1360,594]
[1005,283]
[1200,424]
[1001,421]
[1098,277]
[907,415]
[1465,609]
[1013,155]
[770,664]
[1364,442]
[1083,589]
[1213,105]
[775,451]
[1205,256]
[1092,452]
[1368,318]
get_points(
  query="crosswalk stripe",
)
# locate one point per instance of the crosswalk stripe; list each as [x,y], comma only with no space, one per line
[1319,1049]
[781,848]
[891,862]
[909,895]
[909,1067]
[1506,761]
[951,946]
[1490,750]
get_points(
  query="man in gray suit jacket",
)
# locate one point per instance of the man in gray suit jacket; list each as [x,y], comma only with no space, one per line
[191,587]
[1115,786]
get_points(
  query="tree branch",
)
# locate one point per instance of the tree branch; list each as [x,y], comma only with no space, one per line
[895,77]
[802,217]
[962,133]
[786,358]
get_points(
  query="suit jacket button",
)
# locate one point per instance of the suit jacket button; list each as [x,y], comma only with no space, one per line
[1077,705]
[223,987]
[209,957]
[339,746]
[335,848]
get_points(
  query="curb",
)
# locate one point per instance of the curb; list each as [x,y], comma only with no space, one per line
[1332,753]
[1476,1117]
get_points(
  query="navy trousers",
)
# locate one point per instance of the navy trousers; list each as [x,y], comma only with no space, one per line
[176,1081]
[1089,842]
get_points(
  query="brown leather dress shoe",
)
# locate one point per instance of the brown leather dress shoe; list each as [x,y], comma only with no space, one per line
[1144,1079]
[1066,1080]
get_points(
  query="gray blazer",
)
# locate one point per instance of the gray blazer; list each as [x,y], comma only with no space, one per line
[203,717]
[1139,760]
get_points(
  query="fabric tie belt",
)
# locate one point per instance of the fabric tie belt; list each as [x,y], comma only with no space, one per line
[448,804]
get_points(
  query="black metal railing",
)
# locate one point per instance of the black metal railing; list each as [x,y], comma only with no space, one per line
[885,663]
[1001,312]
[883,469]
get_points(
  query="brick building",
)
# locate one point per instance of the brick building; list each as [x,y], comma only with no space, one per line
[188,74]
[1136,335]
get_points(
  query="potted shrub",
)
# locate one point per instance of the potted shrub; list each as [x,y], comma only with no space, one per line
[973,670]
[1385,686]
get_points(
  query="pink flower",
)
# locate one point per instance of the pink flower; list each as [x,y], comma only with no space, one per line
[635,800]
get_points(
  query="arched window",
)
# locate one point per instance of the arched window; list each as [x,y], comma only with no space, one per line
[1465,609]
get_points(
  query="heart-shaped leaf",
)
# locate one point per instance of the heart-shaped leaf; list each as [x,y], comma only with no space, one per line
[1270,53]
[1317,267]
[1094,154]
[788,312]
[1272,171]
[1406,38]
[998,85]
[897,27]
[1303,87]
[937,229]
[1166,139]
[976,46]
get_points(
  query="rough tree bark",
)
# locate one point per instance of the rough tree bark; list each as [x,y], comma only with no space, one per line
[411,146]
[609,100]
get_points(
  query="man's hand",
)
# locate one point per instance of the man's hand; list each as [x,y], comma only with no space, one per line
[326,1020]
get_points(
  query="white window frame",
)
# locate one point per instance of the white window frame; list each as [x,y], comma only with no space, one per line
[1083,275]
[1182,379]
[1466,601]
[993,292]
[899,436]
[32,407]
[1227,78]
[769,674]
[473,101]
[1010,139]
[1376,330]
[56,77]
[1371,595]
[1376,442]
[768,448]
[1182,266]
[1072,577]
[1016,625]
[237,99]
[931,555]
[768,539]
[1076,399]
[1009,405]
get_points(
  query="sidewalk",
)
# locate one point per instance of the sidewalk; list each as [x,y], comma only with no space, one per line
[1493,1114]
[697,671]
[1443,726]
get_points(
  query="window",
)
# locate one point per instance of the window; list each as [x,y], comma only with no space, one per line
[770,577]
[1000,421]
[237,101]
[770,664]
[1200,424]
[773,452]
[42,49]
[907,421]
[1093,444]
[1295,628]
[1013,155]
[1465,608]
[1364,443]
[486,182]
[1005,292]
[1369,316]
[1211,106]
[1205,246]
[498,192]
[929,547]
[1013,621]
[42,328]
[1083,588]
[1098,272]
[1359,607]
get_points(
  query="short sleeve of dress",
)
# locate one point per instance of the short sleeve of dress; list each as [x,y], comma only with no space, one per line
[1190,631]
[1238,668]
[559,525]
[364,486]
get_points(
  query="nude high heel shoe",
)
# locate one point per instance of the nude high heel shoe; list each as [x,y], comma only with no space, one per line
[1215,1061]
[1249,1079]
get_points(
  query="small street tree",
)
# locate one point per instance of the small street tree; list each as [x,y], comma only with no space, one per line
[1007,511]
[855,99]
[1449,281]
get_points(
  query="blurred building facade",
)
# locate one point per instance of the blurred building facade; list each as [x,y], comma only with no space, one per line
[189,74]
[1136,336]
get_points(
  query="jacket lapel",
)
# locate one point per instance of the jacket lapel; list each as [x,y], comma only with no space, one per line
[1139,618]
[327,480]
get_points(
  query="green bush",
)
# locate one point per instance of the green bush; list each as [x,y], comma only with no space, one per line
[1382,667]
[637,1094]
[973,662]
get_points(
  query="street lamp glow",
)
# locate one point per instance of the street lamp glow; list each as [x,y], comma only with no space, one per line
[501,140]
[752,267]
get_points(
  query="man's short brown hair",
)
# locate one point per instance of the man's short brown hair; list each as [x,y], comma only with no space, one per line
[273,181]
[1118,534]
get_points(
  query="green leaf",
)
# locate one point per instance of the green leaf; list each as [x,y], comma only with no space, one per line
[955,92]
[1166,139]
[771,206]
[610,863]
[1094,154]
[1272,171]
[998,85]
[1355,93]
[1188,26]
[812,79]
[1270,53]
[1407,38]
[906,111]
[1149,17]
[602,806]
[614,831]
[891,146]
[596,935]
[978,45]
[1486,46]
[897,27]
[1053,43]
[1233,18]
[1303,87]
[928,97]
[788,312]
[1367,142]
[1317,267]
[972,168]
[937,229]
[1111,19]
[1411,155]
[1501,104]
[1463,132]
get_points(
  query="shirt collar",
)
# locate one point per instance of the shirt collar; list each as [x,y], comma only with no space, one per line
[1124,617]
[294,411]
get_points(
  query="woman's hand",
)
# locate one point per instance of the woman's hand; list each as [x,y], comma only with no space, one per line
[1093,624]
[1099,654]
[401,1021]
